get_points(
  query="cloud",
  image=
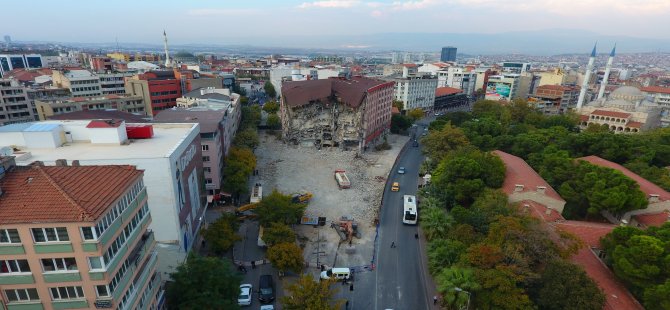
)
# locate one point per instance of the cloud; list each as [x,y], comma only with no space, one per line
[414,5]
[215,12]
[329,4]
[583,7]
[376,13]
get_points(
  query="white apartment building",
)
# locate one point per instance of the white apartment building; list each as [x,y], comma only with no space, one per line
[169,154]
[15,106]
[113,83]
[414,90]
[661,97]
[457,77]
[81,83]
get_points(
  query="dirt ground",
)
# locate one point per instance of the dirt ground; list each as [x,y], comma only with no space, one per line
[298,168]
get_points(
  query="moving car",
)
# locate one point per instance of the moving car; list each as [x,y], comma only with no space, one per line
[395,187]
[266,289]
[401,170]
[245,295]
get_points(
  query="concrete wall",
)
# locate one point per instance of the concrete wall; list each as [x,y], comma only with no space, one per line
[549,202]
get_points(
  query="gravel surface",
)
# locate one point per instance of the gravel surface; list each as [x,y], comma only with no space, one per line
[298,168]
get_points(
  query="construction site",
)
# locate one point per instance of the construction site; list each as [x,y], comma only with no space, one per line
[343,190]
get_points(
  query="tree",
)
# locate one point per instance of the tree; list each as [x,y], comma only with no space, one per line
[239,165]
[271,107]
[222,234]
[658,297]
[500,290]
[439,142]
[286,257]
[308,294]
[415,114]
[203,283]
[278,233]
[443,253]
[640,262]
[398,104]
[451,278]
[273,121]
[247,138]
[434,222]
[251,117]
[270,90]
[400,123]
[566,286]
[279,208]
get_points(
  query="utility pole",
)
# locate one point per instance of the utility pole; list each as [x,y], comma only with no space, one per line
[318,249]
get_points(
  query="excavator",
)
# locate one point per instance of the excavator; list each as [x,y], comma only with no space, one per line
[243,216]
[303,197]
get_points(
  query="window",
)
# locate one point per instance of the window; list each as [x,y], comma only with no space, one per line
[67,292]
[59,264]
[205,147]
[207,169]
[22,294]
[95,262]
[208,181]
[14,266]
[50,234]
[102,291]
[9,236]
[205,159]
[88,233]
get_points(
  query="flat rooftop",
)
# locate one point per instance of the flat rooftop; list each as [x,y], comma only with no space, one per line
[167,137]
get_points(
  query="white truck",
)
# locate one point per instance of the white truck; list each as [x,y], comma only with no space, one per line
[256,193]
[342,179]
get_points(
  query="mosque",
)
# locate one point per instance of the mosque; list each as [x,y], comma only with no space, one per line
[625,110]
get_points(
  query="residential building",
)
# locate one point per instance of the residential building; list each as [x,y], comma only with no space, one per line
[448,54]
[415,90]
[113,83]
[101,64]
[528,81]
[217,99]
[483,75]
[160,88]
[555,99]
[449,99]
[433,68]
[336,112]
[15,106]
[191,80]
[556,76]
[46,108]
[515,67]
[169,154]
[9,62]
[288,73]
[661,97]
[99,114]
[625,110]
[69,59]
[68,246]
[81,83]
[458,77]
[502,87]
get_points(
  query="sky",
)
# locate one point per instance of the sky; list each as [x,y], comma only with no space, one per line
[237,21]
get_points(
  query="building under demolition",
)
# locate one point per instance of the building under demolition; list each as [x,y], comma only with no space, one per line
[336,112]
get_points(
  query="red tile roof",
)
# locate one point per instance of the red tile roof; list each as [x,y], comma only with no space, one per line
[616,295]
[27,75]
[394,110]
[611,113]
[519,172]
[106,123]
[656,89]
[410,65]
[634,124]
[352,92]
[558,87]
[583,118]
[445,91]
[645,186]
[45,194]
[539,211]
[653,219]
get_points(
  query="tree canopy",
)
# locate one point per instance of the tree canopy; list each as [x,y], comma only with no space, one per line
[222,234]
[308,294]
[286,256]
[273,121]
[270,89]
[415,114]
[278,233]
[240,163]
[279,208]
[400,123]
[566,286]
[271,107]
[203,283]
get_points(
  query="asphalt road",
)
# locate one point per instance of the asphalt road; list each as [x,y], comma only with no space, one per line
[400,275]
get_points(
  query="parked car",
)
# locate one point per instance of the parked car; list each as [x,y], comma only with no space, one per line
[401,170]
[266,289]
[245,295]
[267,307]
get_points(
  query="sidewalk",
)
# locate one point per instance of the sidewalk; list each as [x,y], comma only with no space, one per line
[431,287]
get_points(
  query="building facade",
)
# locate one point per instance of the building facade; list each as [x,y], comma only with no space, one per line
[61,249]
[46,108]
[502,87]
[458,77]
[336,112]
[81,83]
[15,106]
[416,91]
[625,110]
[448,54]
[159,88]
[9,62]
[555,99]
[449,99]
[661,97]
[113,83]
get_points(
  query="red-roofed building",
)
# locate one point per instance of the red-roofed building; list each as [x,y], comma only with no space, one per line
[649,220]
[659,199]
[449,99]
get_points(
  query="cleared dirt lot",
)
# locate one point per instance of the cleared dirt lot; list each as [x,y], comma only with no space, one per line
[297,168]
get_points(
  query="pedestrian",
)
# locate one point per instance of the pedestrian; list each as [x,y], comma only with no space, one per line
[347,305]
[253,264]
[393,244]
[435,300]
[416,235]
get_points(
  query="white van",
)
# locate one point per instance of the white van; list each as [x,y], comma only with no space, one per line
[336,273]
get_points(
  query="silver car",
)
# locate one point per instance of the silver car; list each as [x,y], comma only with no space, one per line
[245,295]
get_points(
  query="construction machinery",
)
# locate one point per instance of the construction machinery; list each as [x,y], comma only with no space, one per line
[256,193]
[342,179]
[303,197]
[347,228]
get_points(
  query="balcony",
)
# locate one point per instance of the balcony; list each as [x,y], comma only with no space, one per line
[55,277]
[12,279]
[118,223]
[61,247]
[31,305]
[12,249]
[70,304]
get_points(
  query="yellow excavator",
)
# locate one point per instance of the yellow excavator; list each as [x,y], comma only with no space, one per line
[303,197]
[242,216]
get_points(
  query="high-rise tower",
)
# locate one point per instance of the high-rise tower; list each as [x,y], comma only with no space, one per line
[167,54]
[601,92]
[587,77]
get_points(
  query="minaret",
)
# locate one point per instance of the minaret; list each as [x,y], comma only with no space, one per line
[607,73]
[167,54]
[587,76]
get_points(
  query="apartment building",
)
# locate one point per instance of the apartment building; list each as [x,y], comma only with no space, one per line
[502,87]
[15,106]
[81,83]
[555,99]
[414,89]
[68,246]
[113,83]
[661,97]
[50,107]
[9,62]
[458,77]
[159,88]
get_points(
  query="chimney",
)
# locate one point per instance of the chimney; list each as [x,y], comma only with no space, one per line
[548,212]
[75,163]
[541,189]
[61,162]
[37,163]
[518,187]
[653,198]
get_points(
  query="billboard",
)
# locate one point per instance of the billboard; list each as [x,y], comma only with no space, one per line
[498,90]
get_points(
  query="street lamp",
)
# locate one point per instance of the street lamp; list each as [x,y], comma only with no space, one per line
[458,289]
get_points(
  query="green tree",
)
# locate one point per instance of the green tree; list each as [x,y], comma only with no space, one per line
[278,233]
[203,283]
[434,222]
[271,107]
[286,257]
[400,123]
[273,121]
[222,234]
[452,278]
[641,261]
[398,104]
[270,89]
[247,138]
[444,253]
[415,114]
[488,108]
[658,297]
[440,142]
[279,208]
[308,294]
[500,290]
[566,286]
[239,165]
[251,117]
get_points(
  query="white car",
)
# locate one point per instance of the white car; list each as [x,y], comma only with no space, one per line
[267,307]
[245,295]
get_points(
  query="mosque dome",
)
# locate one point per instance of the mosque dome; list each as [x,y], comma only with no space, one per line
[620,104]
[627,93]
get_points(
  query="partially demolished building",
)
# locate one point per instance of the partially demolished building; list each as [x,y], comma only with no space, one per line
[336,111]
